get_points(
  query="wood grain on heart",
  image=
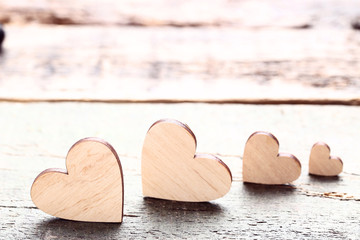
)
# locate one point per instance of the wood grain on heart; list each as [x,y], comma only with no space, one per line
[91,189]
[321,163]
[171,170]
[263,164]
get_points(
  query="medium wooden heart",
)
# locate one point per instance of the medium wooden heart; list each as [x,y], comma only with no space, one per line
[171,170]
[92,190]
[263,164]
[321,163]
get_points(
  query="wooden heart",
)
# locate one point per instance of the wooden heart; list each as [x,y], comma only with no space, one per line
[321,163]
[171,170]
[264,165]
[92,190]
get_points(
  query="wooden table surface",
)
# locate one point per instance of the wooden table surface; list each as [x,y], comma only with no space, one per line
[37,136]
[112,71]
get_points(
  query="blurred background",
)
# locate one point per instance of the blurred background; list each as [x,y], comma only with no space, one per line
[219,50]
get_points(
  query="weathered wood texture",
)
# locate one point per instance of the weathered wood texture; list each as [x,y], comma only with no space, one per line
[37,136]
[187,64]
[235,51]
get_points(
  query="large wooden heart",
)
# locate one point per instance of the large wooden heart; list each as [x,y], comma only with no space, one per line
[171,170]
[264,165]
[91,190]
[321,163]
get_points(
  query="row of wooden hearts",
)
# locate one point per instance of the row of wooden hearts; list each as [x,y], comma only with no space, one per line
[92,188]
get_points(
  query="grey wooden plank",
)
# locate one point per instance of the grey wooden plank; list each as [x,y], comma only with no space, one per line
[171,64]
[38,136]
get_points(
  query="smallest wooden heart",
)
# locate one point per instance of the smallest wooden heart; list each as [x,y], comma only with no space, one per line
[91,189]
[321,163]
[263,164]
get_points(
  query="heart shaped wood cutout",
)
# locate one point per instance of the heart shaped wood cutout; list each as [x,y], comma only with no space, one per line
[263,164]
[91,189]
[171,170]
[321,163]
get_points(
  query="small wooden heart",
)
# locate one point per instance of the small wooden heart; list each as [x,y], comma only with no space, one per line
[321,163]
[263,164]
[91,190]
[171,170]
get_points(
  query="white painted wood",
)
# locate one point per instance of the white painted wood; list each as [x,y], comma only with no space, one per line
[92,188]
[209,64]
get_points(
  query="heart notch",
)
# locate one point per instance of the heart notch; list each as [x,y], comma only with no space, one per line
[171,170]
